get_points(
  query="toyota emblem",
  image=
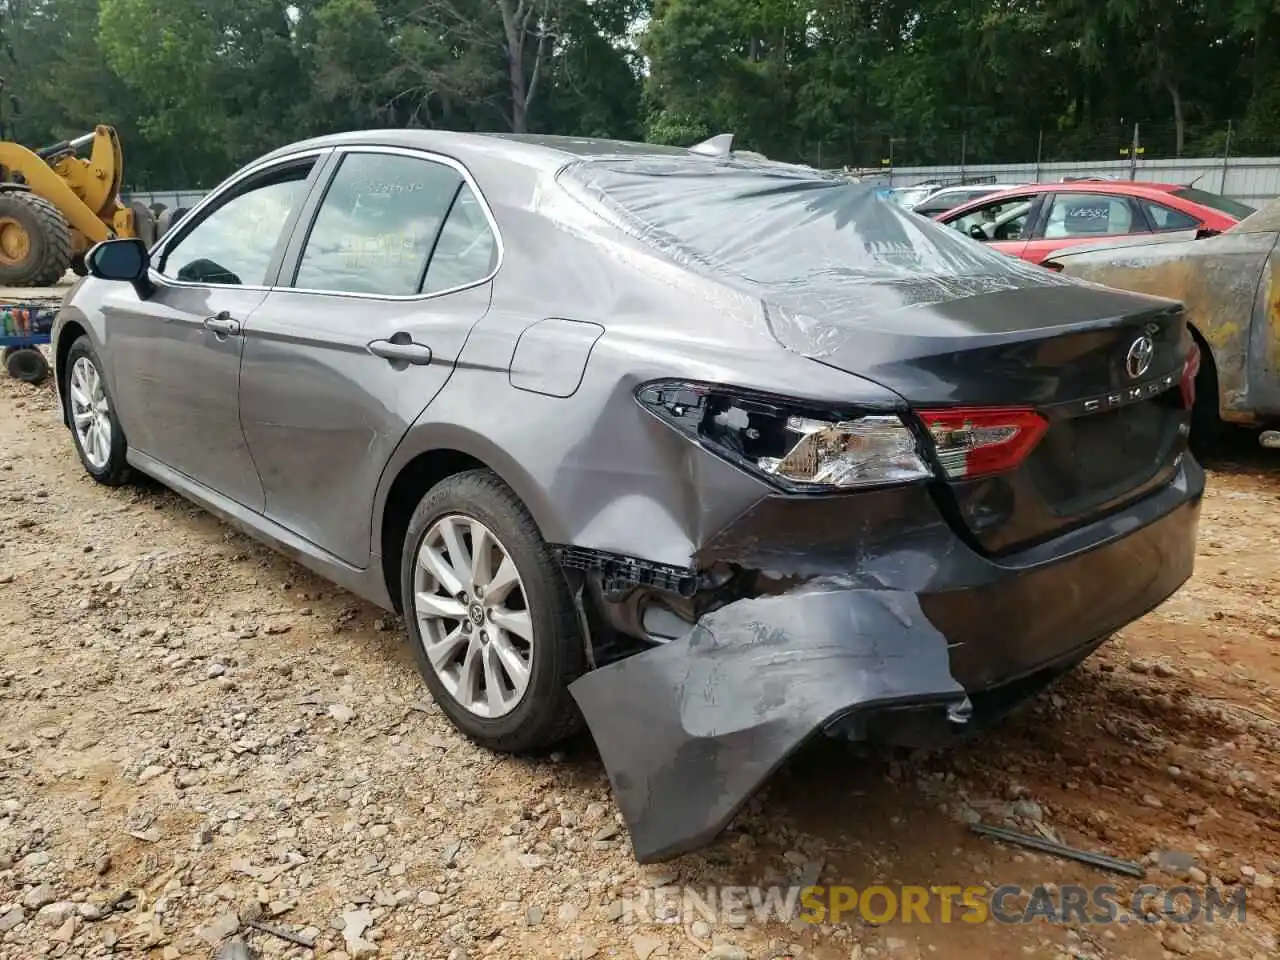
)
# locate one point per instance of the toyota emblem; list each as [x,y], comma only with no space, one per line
[1138,360]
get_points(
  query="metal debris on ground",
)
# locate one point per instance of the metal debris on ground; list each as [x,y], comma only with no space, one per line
[283,934]
[1061,850]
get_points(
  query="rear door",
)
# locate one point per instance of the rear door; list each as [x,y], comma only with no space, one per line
[1001,224]
[1072,218]
[380,288]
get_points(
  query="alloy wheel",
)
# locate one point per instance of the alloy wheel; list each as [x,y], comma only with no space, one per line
[90,412]
[473,614]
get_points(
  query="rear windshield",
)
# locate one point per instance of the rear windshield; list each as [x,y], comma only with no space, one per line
[790,229]
[1213,201]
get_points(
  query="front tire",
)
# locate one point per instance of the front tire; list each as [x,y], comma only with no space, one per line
[491,620]
[91,413]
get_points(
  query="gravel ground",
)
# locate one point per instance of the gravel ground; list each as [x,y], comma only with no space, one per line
[199,739]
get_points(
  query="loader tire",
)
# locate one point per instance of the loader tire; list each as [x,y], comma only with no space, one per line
[35,241]
[144,223]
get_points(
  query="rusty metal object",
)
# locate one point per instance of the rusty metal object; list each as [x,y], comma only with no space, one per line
[1100,860]
[1230,285]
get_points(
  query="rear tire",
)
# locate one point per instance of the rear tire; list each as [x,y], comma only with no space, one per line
[35,240]
[1207,428]
[167,218]
[144,223]
[462,508]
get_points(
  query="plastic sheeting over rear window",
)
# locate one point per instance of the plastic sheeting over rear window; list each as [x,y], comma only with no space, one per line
[816,248]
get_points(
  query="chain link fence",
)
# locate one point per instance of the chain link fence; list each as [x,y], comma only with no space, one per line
[866,148]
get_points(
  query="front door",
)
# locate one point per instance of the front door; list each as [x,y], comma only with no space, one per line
[175,355]
[374,305]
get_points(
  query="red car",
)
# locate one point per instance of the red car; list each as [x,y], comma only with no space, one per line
[1040,219]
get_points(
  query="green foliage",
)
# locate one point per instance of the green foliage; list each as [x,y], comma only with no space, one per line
[198,87]
[941,81]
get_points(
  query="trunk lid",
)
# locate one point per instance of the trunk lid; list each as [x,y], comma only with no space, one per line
[1116,420]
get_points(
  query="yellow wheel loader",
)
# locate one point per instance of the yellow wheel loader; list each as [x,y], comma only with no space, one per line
[55,205]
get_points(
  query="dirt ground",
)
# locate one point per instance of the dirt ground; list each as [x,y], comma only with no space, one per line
[197,736]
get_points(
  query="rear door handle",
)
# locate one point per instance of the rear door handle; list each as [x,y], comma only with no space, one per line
[223,325]
[409,352]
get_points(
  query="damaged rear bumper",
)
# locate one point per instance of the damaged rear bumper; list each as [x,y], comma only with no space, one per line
[690,729]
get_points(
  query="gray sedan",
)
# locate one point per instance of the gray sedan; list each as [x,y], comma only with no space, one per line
[710,452]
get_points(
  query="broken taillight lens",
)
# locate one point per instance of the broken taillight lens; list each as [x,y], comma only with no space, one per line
[979,441]
[790,443]
[1190,370]
[847,453]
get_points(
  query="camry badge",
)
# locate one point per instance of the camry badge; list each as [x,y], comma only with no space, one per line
[1138,360]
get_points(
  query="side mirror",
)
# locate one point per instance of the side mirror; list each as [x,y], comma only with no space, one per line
[977,233]
[124,260]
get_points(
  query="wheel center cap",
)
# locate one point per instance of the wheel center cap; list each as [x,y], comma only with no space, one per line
[476,612]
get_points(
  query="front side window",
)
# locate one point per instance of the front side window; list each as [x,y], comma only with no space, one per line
[377,225]
[1004,219]
[234,244]
[1088,215]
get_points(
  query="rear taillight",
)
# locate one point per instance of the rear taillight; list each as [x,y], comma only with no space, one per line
[980,441]
[1190,370]
[786,441]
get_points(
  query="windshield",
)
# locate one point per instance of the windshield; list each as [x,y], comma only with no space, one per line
[1213,201]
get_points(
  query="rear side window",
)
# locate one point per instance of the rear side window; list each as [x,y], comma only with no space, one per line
[377,225]
[1166,218]
[467,251]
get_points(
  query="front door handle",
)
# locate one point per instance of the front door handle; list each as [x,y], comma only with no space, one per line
[223,325]
[403,352]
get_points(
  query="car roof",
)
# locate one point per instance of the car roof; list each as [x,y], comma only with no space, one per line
[1124,187]
[968,187]
[529,149]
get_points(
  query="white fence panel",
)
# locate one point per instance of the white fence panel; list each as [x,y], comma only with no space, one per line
[1251,180]
[170,198]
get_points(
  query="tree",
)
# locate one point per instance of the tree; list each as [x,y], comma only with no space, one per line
[197,87]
